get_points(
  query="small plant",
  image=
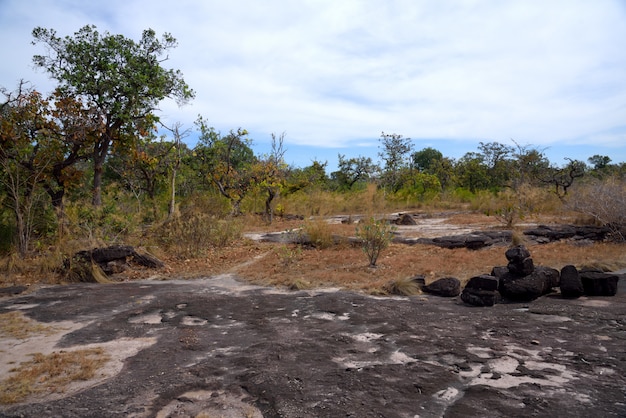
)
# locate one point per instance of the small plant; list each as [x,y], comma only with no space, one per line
[289,255]
[375,236]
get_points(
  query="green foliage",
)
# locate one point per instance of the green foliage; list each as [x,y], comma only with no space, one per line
[375,236]
[121,80]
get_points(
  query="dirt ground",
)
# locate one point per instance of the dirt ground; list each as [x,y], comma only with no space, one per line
[216,345]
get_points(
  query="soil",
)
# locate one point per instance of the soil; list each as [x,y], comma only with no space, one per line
[216,346]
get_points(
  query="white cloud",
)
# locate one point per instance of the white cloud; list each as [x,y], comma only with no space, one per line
[333,73]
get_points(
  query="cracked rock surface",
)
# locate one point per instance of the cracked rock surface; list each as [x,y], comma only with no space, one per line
[220,347]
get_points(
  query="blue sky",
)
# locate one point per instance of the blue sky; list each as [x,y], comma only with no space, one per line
[333,74]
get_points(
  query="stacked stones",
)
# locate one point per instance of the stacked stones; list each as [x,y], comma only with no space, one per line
[522,281]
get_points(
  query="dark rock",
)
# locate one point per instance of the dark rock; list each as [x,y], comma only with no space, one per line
[521,268]
[526,288]
[553,276]
[446,287]
[405,219]
[517,254]
[599,284]
[571,285]
[483,282]
[499,271]
[545,233]
[477,297]
[473,241]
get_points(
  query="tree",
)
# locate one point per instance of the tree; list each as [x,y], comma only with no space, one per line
[394,150]
[122,80]
[273,171]
[599,162]
[471,172]
[23,118]
[353,170]
[178,136]
[496,157]
[228,162]
[426,159]
[563,178]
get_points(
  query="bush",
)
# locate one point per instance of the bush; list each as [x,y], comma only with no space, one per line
[319,233]
[604,201]
[375,236]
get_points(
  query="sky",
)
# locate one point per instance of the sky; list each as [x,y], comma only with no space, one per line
[333,75]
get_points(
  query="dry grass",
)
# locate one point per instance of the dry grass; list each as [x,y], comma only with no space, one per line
[15,325]
[51,373]
[345,266]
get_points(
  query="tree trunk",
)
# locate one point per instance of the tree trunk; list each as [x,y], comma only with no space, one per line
[172,206]
[100,152]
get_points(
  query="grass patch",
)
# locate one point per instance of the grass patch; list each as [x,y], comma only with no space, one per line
[51,373]
[15,325]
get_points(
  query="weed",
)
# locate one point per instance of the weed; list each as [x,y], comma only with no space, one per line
[289,255]
[406,286]
[319,233]
[375,236]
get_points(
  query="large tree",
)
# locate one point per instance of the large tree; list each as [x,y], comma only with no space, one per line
[227,161]
[121,79]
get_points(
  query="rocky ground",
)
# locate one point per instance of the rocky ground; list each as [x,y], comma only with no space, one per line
[216,347]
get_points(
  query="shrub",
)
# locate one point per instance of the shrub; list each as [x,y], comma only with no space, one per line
[375,236]
[604,201]
[319,233]
[192,235]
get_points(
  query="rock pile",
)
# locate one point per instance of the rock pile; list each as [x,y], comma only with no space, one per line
[522,281]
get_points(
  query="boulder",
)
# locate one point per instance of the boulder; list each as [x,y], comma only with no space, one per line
[483,282]
[520,263]
[477,297]
[521,268]
[517,254]
[599,284]
[405,219]
[446,287]
[526,288]
[571,285]
[499,271]
[553,276]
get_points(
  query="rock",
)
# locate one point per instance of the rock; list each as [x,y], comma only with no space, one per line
[520,263]
[446,287]
[571,284]
[477,297]
[521,268]
[405,219]
[483,282]
[545,233]
[526,288]
[599,284]
[553,276]
[517,254]
[499,271]
[94,265]
[473,241]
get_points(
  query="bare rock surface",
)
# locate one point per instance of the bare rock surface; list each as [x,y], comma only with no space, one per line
[218,347]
